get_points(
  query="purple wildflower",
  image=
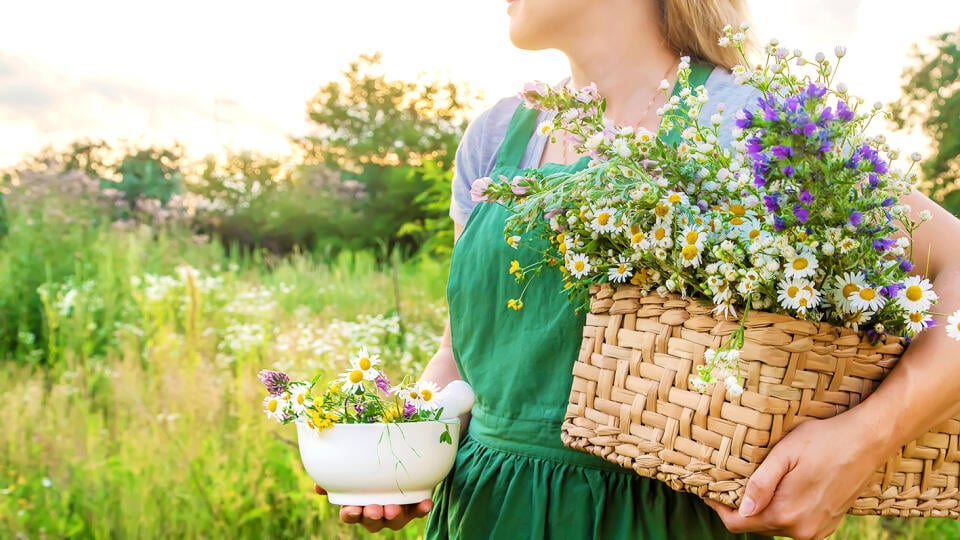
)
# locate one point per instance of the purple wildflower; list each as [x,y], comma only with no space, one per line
[771,202]
[409,409]
[745,119]
[275,381]
[806,197]
[856,218]
[809,128]
[906,265]
[383,383]
[360,407]
[892,290]
[778,223]
[801,213]
[843,112]
[781,152]
[873,181]
[788,171]
[888,202]
[883,244]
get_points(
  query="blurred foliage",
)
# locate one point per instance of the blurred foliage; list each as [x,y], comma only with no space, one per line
[150,173]
[931,101]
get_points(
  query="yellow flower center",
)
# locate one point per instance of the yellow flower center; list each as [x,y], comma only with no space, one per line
[799,263]
[272,405]
[849,289]
[364,363]
[689,252]
[414,394]
[916,317]
[736,221]
[958,325]
[792,291]
[914,293]
[661,210]
[803,301]
[674,198]
[660,233]
[301,398]
[426,394]
[637,238]
[692,237]
[356,376]
[738,209]
[867,293]
[603,218]
[579,266]
[754,233]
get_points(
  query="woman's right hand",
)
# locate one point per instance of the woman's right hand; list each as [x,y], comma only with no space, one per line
[375,517]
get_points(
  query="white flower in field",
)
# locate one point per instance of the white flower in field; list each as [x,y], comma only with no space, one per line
[953,325]
[604,221]
[674,198]
[423,395]
[621,147]
[366,363]
[693,236]
[621,272]
[917,294]
[545,128]
[351,381]
[801,265]
[916,322]
[660,235]
[299,397]
[638,239]
[867,298]
[579,265]
[690,255]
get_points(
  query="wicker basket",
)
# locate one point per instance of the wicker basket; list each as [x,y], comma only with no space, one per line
[631,403]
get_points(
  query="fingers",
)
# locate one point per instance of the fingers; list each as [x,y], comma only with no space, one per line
[375,517]
[763,483]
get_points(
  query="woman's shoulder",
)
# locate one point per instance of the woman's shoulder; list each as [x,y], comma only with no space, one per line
[489,127]
[722,87]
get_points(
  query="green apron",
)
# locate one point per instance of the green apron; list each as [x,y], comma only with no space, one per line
[513,478]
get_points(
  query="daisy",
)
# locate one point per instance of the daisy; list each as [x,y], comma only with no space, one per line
[847,245]
[847,285]
[661,235]
[750,230]
[603,221]
[867,298]
[788,293]
[693,236]
[367,363]
[545,128]
[690,255]
[801,265]
[674,198]
[953,325]
[638,238]
[916,322]
[917,294]
[352,381]
[857,319]
[300,397]
[275,407]
[621,272]
[423,395]
[579,265]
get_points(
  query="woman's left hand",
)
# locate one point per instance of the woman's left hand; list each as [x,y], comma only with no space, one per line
[808,480]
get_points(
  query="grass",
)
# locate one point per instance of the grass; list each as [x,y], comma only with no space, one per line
[133,410]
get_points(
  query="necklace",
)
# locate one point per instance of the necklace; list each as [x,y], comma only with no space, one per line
[643,115]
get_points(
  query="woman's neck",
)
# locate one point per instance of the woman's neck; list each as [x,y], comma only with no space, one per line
[625,55]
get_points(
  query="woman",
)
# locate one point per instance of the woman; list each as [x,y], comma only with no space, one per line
[513,478]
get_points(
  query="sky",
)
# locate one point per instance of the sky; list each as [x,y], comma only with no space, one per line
[218,75]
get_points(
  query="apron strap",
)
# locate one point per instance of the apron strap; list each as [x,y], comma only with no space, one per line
[524,122]
[514,145]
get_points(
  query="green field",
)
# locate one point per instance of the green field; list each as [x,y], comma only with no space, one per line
[135,412]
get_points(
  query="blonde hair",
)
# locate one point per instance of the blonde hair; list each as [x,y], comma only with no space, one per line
[692,27]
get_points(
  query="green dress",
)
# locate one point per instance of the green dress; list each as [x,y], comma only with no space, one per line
[513,478]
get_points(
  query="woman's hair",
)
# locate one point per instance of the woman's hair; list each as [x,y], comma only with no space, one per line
[692,27]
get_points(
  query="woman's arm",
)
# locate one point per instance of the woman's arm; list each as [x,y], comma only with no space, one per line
[809,479]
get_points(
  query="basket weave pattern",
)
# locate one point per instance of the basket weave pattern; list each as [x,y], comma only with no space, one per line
[631,402]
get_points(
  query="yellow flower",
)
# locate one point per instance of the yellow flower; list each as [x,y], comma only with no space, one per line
[515,268]
[515,304]
[392,413]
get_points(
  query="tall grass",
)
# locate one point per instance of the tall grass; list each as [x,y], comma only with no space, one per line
[133,410]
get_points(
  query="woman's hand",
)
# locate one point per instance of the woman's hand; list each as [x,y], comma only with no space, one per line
[375,517]
[808,481]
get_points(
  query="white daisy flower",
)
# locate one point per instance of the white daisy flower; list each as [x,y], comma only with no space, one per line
[846,286]
[660,235]
[674,198]
[299,397]
[351,381]
[276,407]
[916,322]
[638,238]
[579,265]
[604,221]
[867,298]
[917,294]
[621,272]
[545,128]
[367,363]
[801,265]
[423,395]
[790,291]
[857,319]
[693,236]
[847,245]
[953,325]
[690,255]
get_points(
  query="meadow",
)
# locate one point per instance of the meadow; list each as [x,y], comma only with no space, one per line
[136,412]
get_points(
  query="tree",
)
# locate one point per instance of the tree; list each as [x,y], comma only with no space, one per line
[382,133]
[931,101]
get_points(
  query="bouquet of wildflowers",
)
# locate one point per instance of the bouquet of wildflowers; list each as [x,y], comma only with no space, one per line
[801,216]
[361,395]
